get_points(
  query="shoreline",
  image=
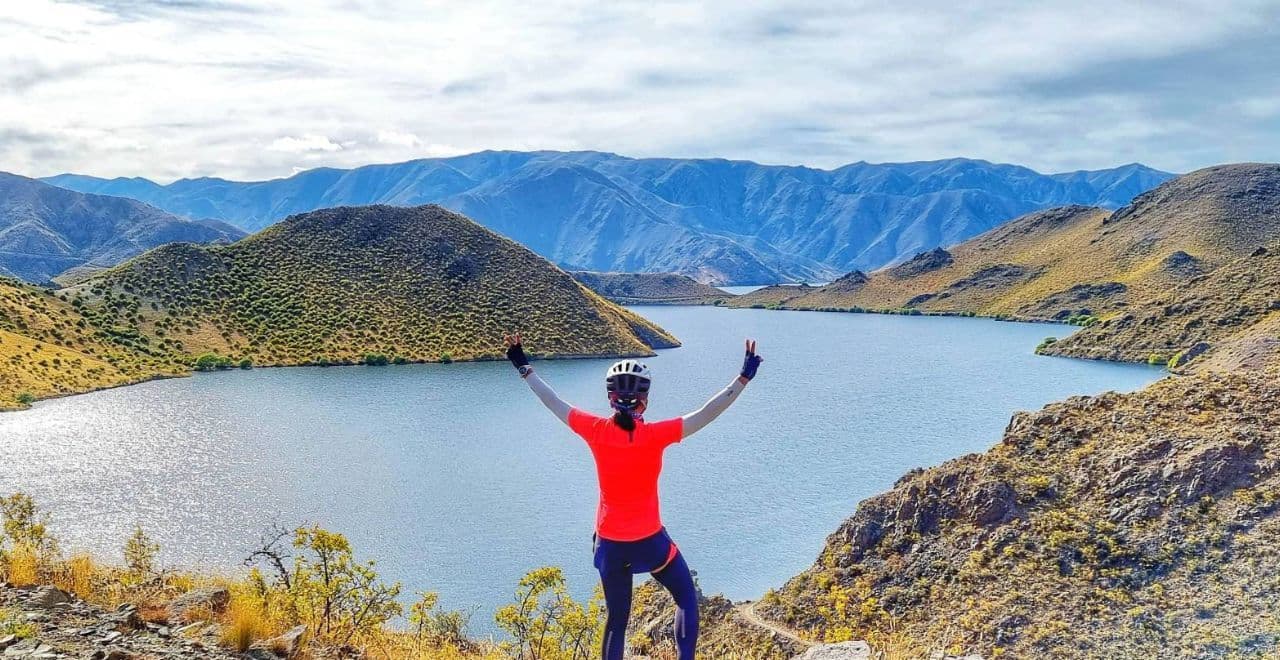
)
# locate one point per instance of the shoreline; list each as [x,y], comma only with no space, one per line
[193,372]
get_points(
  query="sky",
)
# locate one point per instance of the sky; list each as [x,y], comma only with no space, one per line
[255,90]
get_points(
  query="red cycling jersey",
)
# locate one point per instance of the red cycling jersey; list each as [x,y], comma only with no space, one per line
[627,466]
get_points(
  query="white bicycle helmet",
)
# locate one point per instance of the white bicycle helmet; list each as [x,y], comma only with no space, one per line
[628,377]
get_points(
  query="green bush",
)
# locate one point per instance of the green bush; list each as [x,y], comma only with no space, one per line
[212,361]
[445,358]
[246,363]
[1048,341]
[25,398]
[376,359]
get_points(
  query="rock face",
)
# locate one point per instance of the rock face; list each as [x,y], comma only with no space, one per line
[841,651]
[67,627]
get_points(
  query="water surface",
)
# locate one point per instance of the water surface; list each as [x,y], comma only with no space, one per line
[455,478]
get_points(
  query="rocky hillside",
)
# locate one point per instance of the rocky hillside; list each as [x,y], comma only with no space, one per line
[1113,526]
[1180,266]
[1230,314]
[719,221]
[334,286]
[46,230]
[651,288]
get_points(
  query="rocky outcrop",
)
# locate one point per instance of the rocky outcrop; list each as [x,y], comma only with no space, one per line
[922,263]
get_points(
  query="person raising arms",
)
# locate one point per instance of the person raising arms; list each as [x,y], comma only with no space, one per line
[629,535]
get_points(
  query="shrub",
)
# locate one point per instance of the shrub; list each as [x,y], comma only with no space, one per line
[376,359]
[545,622]
[445,358]
[246,363]
[25,398]
[27,549]
[338,598]
[1048,341]
[12,623]
[211,361]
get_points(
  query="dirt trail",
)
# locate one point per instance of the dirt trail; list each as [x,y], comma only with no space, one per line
[747,611]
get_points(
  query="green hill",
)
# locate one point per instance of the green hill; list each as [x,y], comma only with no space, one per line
[336,285]
[651,288]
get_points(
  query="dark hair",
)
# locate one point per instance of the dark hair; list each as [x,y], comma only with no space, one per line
[624,420]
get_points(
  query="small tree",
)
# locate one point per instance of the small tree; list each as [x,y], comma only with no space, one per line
[140,553]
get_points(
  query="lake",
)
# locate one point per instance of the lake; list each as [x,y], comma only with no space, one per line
[456,479]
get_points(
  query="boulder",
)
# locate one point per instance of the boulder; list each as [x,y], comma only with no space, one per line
[285,646]
[841,651]
[46,597]
[213,600]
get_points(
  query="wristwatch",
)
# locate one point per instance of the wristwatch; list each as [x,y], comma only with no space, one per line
[525,370]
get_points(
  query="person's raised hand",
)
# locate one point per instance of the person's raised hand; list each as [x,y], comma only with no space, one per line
[750,363]
[515,351]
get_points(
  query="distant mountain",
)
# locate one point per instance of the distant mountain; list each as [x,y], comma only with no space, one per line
[651,288]
[333,286]
[46,230]
[718,221]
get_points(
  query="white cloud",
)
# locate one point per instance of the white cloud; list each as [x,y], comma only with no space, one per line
[303,144]
[200,87]
[398,139]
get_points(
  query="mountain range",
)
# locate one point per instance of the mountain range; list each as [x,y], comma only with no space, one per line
[46,230]
[719,221]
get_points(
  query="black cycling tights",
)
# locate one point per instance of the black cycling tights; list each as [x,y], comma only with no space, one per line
[617,597]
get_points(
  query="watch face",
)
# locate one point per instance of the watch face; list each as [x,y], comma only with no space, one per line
[525,370]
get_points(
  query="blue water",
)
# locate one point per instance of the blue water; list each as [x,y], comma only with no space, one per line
[456,480]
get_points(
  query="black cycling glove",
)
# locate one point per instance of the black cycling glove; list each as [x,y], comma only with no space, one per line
[515,353]
[750,364]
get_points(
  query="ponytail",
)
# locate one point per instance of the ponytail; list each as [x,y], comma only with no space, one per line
[624,420]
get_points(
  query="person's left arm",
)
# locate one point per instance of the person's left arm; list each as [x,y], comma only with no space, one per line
[698,419]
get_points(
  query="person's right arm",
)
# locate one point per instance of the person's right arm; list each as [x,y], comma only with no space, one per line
[548,396]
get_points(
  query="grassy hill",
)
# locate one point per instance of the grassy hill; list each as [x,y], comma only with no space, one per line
[651,288]
[336,285]
[48,347]
[1168,271]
